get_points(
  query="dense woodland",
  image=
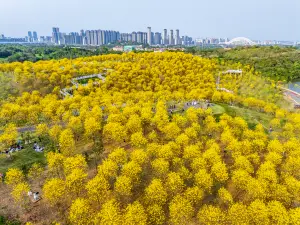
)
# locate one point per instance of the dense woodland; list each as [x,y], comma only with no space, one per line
[278,63]
[134,150]
[21,53]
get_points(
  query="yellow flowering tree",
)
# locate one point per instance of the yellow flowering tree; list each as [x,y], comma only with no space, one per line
[54,191]
[67,142]
[110,214]
[14,176]
[181,210]
[135,214]
[80,212]
[98,189]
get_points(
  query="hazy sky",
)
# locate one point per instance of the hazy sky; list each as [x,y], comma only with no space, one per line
[255,19]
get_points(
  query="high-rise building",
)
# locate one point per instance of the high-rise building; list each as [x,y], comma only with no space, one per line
[177,38]
[104,37]
[185,40]
[126,37]
[149,36]
[62,40]
[82,37]
[55,35]
[100,38]
[88,37]
[42,39]
[93,37]
[30,38]
[78,39]
[165,37]
[145,39]
[68,39]
[140,37]
[134,37]
[108,36]
[118,36]
[171,38]
[157,38]
[129,37]
[96,42]
[35,36]
[82,33]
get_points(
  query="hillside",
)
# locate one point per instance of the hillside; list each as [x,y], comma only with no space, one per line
[278,63]
[153,142]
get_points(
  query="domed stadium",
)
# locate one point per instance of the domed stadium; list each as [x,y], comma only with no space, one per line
[241,41]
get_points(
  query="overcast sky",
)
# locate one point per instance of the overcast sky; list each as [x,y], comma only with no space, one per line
[255,19]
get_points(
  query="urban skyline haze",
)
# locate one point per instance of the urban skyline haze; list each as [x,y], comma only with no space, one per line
[256,19]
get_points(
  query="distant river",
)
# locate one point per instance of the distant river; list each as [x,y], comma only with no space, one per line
[294,85]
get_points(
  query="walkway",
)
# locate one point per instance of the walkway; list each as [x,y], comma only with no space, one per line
[67,91]
[292,95]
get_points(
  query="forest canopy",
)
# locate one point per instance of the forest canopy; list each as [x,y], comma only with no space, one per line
[22,53]
[145,144]
[278,63]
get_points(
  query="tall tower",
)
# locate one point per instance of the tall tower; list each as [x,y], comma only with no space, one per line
[157,38]
[171,38]
[165,37]
[177,38]
[100,37]
[95,38]
[35,36]
[104,37]
[30,39]
[139,37]
[149,36]
[145,38]
[134,37]
[88,37]
[55,35]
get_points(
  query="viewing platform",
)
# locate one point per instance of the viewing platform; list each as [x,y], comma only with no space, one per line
[78,81]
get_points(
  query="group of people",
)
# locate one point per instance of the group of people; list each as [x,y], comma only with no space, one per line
[37,148]
[193,103]
[18,147]
[14,148]
[34,196]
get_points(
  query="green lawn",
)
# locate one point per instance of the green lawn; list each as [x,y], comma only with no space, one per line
[22,159]
[252,117]
[217,109]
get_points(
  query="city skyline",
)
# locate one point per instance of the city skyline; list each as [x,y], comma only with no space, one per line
[257,20]
[104,37]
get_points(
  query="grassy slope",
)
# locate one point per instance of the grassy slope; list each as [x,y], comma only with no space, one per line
[22,159]
[251,116]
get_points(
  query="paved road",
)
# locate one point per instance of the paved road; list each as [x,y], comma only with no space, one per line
[24,129]
[30,128]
